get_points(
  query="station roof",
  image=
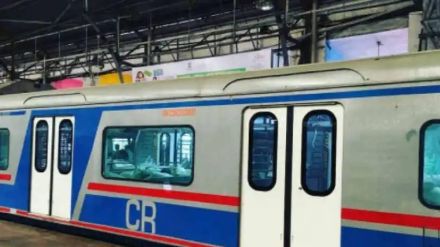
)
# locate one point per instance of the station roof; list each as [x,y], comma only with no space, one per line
[29,25]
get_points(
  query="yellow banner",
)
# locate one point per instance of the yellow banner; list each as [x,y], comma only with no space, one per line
[113,79]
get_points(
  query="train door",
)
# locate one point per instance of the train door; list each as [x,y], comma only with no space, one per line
[291,177]
[41,165]
[51,181]
[263,187]
[316,176]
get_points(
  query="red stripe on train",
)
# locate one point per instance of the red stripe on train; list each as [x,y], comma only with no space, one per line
[5,210]
[407,220]
[167,194]
[5,177]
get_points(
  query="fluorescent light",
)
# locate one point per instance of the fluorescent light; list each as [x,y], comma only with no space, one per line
[264,5]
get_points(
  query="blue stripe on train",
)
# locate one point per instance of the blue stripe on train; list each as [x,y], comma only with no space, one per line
[356,237]
[86,126]
[279,98]
[13,113]
[17,195]
[178,221]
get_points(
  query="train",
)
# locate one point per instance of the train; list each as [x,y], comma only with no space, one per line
[335,154]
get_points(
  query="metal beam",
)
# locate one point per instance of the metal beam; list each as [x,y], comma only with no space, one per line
[366,18]
[4,66]
[149,40]
[63,13]
[70,66]
[115,56]
[14,4]
[118,35]
[26,21]
[282,10]
[28,67]
[306,48]
[314,31]
[117,62]
[430,37]
[131,51]
[12,72]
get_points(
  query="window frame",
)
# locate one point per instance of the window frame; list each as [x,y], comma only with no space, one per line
[8,149]
[59,147]
[422,133]
[304,153]
[275,152]
[36,143]
[151,127]
[165,153]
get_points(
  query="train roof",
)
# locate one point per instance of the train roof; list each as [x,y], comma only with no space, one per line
[423,66]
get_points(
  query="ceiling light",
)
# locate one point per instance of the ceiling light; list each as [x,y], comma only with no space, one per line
[264,5]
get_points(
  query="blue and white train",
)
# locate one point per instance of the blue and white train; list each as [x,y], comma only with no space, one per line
[341,154]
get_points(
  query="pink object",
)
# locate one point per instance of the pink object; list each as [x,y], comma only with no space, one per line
[68,83]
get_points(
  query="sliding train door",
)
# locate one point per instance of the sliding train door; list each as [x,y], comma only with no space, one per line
[41,165]
[316,176]
[52,158]
[62,167]
[262,196]
[291,176]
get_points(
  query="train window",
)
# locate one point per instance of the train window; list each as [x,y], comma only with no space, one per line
[429,182]
[318,157]
[41,145]
[262,151]
[65,147]
[4,149]
[150,154]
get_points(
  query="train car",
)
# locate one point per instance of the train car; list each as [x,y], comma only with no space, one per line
[338,154]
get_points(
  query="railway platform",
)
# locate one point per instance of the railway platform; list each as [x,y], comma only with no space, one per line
[20,235]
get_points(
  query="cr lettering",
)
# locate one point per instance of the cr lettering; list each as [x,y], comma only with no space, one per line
[141,219]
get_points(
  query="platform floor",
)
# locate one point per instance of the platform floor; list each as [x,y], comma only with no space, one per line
[18,235]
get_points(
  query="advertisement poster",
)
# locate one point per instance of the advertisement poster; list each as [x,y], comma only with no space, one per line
[113,79]
[229,64]
[386,43]
[68,83]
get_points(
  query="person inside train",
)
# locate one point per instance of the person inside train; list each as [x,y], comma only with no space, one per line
[129,150]
[120,154]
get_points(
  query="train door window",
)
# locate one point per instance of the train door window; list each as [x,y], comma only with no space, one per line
[41,148]
[429,187]
[65,146]
[318,157]
[4,149]
[150,154]
[262,151]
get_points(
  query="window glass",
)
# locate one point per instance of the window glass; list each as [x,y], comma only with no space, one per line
[262,151]
[151,154]
[65,147]
[41,145]
[4,149]
[318,165]
[430,187]
[165,148]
